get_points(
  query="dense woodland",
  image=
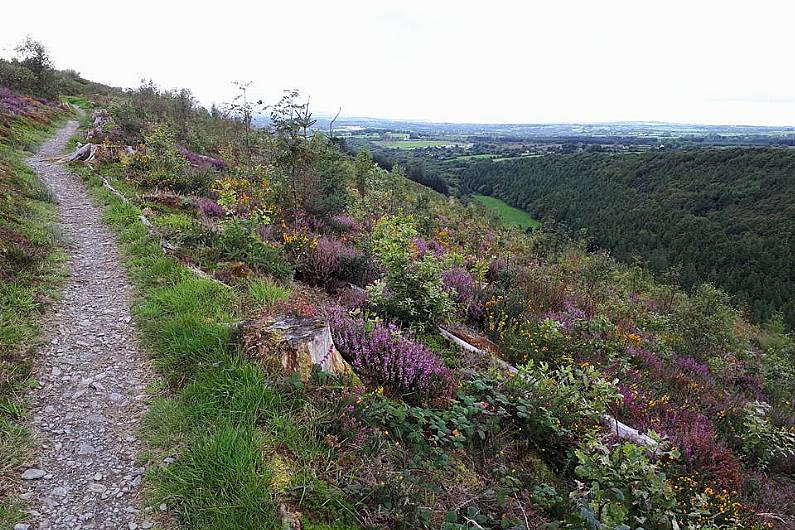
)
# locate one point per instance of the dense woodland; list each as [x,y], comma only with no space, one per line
[724,216]
[246,225]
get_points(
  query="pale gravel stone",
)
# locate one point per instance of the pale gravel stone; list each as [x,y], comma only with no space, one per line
[83,432]
[33,474]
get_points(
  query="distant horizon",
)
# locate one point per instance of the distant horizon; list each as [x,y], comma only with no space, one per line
[325,116]
[618,61]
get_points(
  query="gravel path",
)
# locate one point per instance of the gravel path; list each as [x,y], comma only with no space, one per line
[92,377]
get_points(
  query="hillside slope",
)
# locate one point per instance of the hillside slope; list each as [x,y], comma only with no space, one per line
[483,378]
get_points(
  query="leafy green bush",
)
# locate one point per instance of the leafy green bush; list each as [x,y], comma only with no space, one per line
[161,165]
[622,488]
[411,291]
[763,442]
[239,242]
[705,324]
[558,407]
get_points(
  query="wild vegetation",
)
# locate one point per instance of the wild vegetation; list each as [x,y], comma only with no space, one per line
[423,434]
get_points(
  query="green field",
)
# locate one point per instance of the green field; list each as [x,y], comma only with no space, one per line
[482,156]
[412,144]
[508,214]
[502,159]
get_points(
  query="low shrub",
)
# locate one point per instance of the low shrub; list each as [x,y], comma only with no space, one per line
[761,441]
[465,292]
[238,242]
[323,260]
[411,291]
[622,488]
[209,208]
[381,353]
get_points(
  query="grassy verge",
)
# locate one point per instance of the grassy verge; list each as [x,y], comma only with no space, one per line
[243,442]
[413,144]
[508,214]
[30,275]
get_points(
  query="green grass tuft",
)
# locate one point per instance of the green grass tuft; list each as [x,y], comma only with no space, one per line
[266,292]
[223,481]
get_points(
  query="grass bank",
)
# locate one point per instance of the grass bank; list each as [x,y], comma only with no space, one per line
[31,273]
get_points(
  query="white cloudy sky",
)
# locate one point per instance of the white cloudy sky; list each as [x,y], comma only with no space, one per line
[487,61]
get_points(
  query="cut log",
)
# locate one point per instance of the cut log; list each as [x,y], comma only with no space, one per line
[295,344]
[461,343]
[625,432]
[171,249]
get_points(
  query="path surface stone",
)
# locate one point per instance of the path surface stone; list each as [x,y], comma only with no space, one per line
[92,375]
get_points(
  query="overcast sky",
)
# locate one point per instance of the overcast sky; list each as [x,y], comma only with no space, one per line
[697,61]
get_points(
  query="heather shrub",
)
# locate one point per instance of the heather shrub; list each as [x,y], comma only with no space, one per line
[464,290]
[201,161]
[421,247]
[357,267]
[694,435]
[209,208]
[382,353]
[322,261]
[345,224]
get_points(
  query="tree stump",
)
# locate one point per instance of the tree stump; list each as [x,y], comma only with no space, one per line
[295,344]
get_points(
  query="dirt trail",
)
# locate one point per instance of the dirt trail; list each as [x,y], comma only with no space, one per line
[92,376]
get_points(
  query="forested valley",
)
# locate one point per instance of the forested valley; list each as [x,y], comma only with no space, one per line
[723,216]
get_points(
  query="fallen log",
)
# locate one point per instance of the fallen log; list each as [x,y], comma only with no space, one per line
[295,344]
[113,190]
[625,432]
[166,246]
[91,151]
[84,152]
[461,343]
